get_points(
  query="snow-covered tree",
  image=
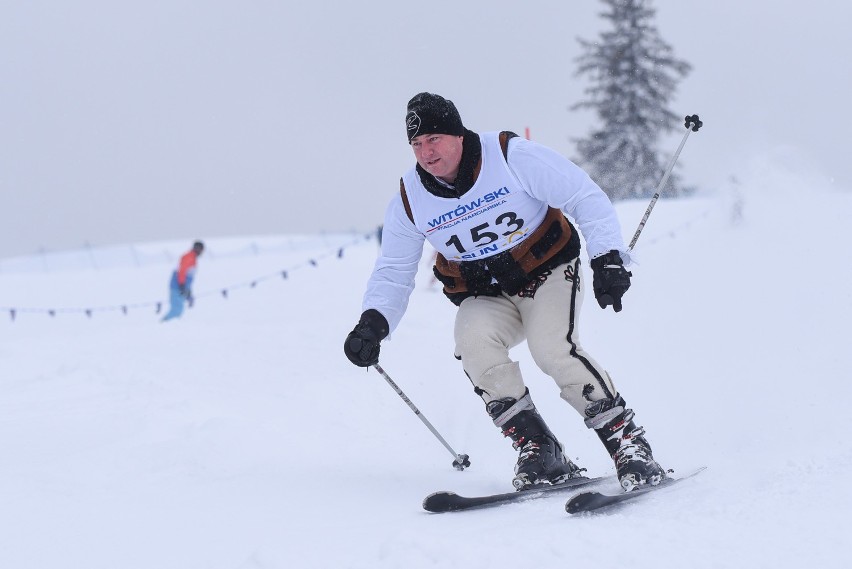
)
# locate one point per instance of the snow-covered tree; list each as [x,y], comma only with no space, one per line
[633,74]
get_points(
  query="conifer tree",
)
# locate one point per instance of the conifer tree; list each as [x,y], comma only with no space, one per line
[633,74]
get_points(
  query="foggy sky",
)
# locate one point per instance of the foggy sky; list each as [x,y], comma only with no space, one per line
[133,121]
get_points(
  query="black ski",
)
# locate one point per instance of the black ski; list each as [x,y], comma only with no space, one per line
[592,500]
[440,502]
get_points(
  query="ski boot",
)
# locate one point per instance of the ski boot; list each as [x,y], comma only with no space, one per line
[625,442]
[541,460]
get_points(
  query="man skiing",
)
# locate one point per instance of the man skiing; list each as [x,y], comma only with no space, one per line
[180,285]
[494,206]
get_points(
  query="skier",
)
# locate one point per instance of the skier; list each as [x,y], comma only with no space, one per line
[494,206]
[180,285]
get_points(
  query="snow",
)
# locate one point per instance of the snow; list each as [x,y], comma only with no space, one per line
[240,437]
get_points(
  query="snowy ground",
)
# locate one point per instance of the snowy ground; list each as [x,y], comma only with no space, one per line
[240,437]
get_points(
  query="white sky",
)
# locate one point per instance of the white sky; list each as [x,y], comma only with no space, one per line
[168,119]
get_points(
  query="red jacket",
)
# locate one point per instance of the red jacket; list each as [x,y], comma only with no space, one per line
[186,267]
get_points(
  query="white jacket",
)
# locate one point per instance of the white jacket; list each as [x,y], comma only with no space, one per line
[542,173]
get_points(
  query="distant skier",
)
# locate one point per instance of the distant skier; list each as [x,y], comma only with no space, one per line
[180,286]
[494,206]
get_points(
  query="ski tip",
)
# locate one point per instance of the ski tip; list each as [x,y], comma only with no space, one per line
[685,472]
[440,494]
[582,502]
[438,501]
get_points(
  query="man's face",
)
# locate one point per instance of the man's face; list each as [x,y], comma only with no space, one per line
[438,154]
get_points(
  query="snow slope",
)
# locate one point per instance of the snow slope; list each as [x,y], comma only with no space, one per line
[240,437]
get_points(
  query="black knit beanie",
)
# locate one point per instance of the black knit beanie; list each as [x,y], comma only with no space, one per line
[432,114]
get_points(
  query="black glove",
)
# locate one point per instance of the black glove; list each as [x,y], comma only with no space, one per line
[362,343]
[184,292]
[611,280]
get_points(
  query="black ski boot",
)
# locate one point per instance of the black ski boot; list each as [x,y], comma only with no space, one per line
[542,460]
[625,442]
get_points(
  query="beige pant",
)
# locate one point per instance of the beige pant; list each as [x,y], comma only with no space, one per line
[487,327]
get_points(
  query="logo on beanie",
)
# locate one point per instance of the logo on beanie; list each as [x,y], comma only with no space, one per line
[412,124]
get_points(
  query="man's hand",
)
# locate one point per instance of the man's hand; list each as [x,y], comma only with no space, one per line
[611,280]
[362,343]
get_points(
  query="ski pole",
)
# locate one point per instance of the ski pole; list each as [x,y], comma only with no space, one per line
[689,121]
[461,460]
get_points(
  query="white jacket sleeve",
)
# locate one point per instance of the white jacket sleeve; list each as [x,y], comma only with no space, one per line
[550,177]
[392,280]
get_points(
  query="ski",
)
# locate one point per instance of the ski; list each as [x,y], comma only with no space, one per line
[592,500]
[441,502]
